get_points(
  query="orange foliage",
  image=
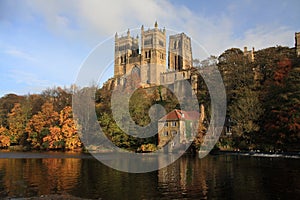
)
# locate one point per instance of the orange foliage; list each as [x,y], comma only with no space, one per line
[4,137]
[68,129]
[54,138]
[43,120]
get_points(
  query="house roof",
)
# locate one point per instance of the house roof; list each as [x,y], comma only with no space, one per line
[181,115]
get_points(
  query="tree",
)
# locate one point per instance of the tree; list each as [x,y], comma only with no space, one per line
[68,129]
[17,119]
[39,125]
[6,104]
[245,112]
[58,96]
[54,139]
[236,71]
[4,137]
[281,121]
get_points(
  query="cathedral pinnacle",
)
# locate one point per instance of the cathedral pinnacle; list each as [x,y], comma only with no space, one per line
[128,33]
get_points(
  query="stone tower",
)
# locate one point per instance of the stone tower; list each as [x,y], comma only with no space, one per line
[297,43]
[126,54]
[180,52]
[153,54]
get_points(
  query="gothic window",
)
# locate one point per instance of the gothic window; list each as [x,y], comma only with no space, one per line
[148,41]
[136,71]
[175,64]
[174,132]
[147,54]
[161,43]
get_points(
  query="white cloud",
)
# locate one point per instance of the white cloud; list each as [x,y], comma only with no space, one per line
[267,36]
[27,78]
[20,54]
[94,20]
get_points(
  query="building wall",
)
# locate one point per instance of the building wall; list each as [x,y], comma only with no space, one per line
[297,43]
[180,52]
[126,54]
[164,138]
[151,60]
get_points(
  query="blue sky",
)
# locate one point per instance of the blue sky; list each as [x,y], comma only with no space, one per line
[44,43]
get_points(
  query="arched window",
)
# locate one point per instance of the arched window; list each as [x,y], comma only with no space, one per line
[135,76]
[136,70]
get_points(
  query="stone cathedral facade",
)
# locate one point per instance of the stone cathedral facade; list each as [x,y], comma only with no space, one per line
[146,58]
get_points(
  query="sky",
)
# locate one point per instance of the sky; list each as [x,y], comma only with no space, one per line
[46,43]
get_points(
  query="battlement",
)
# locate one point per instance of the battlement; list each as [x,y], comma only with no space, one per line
[148,54]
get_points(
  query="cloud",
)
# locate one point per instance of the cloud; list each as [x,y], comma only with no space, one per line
[94,20]
[266,36]
[20,54]
[27,78]
[59,32]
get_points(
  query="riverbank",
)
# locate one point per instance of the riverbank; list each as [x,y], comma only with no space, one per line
[259,154]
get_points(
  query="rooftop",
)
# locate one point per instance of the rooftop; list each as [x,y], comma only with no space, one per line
[181,115]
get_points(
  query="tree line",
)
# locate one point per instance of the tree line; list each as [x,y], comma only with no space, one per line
[263,108]
[38,121]
[263,98]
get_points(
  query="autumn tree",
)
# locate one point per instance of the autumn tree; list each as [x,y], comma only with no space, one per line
[69,129]
[281,121]
[6,104]
[17,119]
[39,125]
[58,96]
[4,137]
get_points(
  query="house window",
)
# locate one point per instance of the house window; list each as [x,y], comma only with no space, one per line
[174,132]
[166,133]
[166,124]
[173,124]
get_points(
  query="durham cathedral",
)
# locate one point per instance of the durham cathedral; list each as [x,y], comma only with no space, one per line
[147,60]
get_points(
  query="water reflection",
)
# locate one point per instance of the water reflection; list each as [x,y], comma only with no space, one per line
[214,177]
[34,177]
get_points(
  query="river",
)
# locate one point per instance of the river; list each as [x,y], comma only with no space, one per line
[80,176]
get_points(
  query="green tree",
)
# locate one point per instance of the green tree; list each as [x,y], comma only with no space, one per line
[245,112]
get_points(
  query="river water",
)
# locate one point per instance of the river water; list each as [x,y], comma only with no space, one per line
[74,175]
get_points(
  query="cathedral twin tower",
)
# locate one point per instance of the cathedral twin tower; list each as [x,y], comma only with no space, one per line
[148,61]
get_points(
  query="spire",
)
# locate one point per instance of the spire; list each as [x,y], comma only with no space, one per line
[142,28]
[128,33]
[116,35]
[155,25]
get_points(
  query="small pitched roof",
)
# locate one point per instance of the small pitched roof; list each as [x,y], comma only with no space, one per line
[181,115]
